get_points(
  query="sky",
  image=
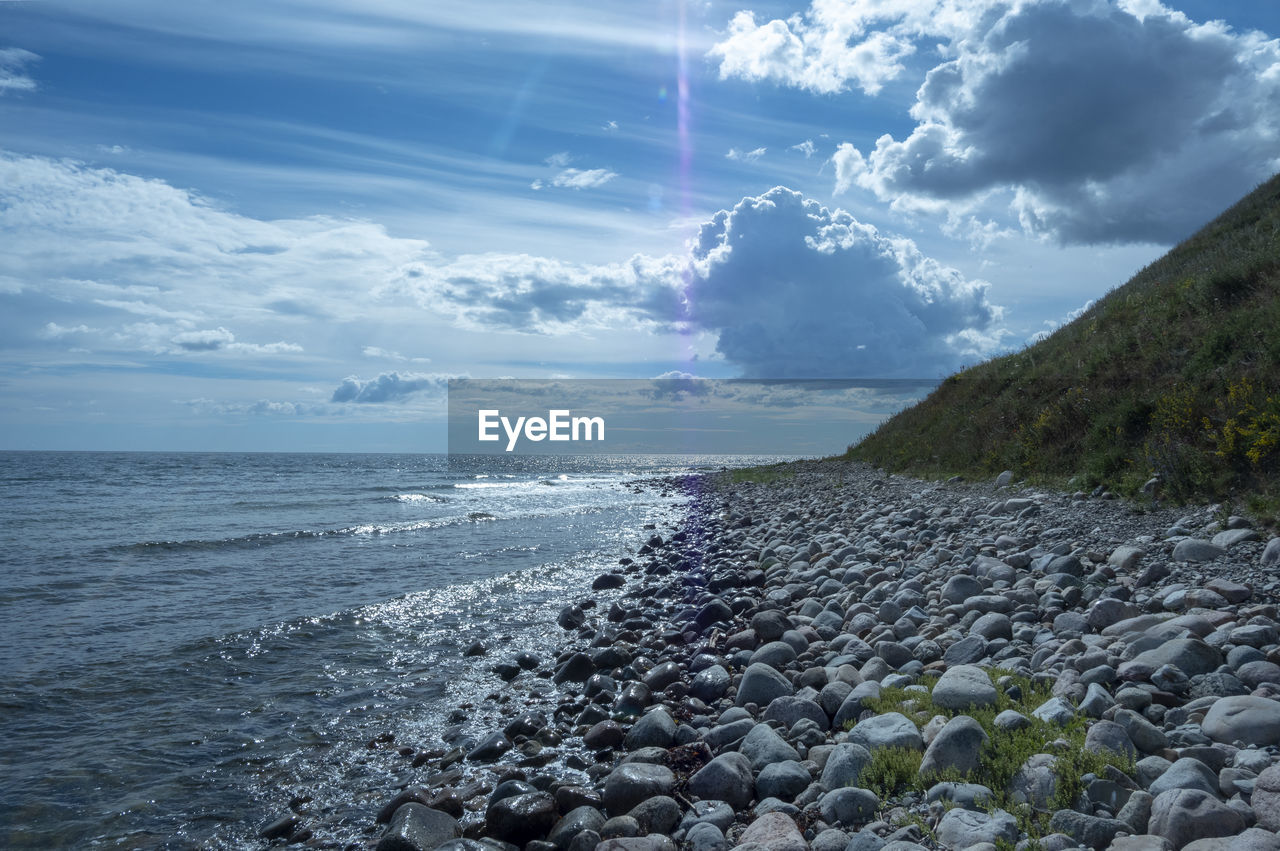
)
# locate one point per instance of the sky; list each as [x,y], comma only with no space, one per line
[284,226]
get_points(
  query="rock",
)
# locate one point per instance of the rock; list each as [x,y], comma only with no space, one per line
[1194,549]
[1252,839]
[1271,555]
[774,832]
[844,765]
[281,828]
[971,648]
[1228,538]
[848,806]
[710,684]
[705,836]
[659,814]
[1125,558]
[490,749]
[890,730]
[789,710]
[1004,479]
[521,818]
[761,684]
[1055,710]
[1011,719]
[775,654]
[1186,773]
[1144,842]
[762,746]
[726,778]
[1034,782]
[1243,718]
[1109,736]
[831,839]
[605,734]
[655,729]
[1189,655]
[1144,735]
[416,827]
[718,813]
[633,782]
[1184,815]
[571,617]
[957,746]
[971,796]
[606,581]
[1266,798]
[661,676]
[576,669]
[653,842]
[964,686]
[1088,830]
[960,588]
[574,822]
[853,705]
[770,624]
[782,780]
[712,613]
[961,828]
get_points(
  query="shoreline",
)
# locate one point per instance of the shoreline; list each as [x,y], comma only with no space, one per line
[727,667]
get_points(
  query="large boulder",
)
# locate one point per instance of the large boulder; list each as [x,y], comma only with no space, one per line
[726,778]
[417,827]
[1185,815]
[963,686]
[633,782]
[1243,718]
[761,685]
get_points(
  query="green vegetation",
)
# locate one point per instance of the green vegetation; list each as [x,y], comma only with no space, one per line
[1175,374]
[894,771]
[762,475]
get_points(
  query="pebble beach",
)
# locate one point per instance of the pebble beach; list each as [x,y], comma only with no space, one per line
[838,659]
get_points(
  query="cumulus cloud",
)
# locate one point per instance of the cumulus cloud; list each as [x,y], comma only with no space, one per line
[1052,325]
[13,76]
[789,288]
[745,156]
[387,387]
[795,289]
[1094,122]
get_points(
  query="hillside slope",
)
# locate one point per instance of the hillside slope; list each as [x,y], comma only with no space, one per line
[1174,374]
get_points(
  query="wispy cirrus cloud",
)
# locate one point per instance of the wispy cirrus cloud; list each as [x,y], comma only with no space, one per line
[13,70]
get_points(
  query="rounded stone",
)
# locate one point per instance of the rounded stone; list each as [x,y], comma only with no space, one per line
[964,686]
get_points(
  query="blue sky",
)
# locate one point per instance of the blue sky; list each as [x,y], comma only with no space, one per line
[214,218]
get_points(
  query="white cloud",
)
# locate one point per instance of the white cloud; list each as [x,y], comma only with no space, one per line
[13,76]
[1052,325]
[806,147]
[387,387]
[208,340]
[1093,122]
[745,156]
[559,160]
[54,331]
[573,178]
[386,354]
[610,127]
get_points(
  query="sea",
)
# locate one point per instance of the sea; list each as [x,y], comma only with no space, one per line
[192,642]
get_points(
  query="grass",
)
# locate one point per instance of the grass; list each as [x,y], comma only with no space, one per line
[1176,374]
[763,475]
[894,771]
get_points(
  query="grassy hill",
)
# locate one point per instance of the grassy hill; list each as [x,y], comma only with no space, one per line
[1174,374]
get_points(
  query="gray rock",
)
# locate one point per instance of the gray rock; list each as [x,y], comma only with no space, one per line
[761,685]
[1136,811]
[490,749]
[633,782]
[1243,718]
[659,814]
[417,827]
[992,625]
[961,828]
[620,826]
[1271,555]
[782,780]
[706,837]
[1055,710]
[763,746]
[890,730]
[865,840]
[853,705]
[844,765]
[775,654]
[971,796]
[1143,842]
[833,695]
[831,839]
[1034,782]
[1186,773]
[655,729]
[770,624]
[960,588]
[710,684]
[957,746]
[791,709]
[1004,479]
[1254,674]
[718,813]
[773,832]
[1266,798]
[964,686]
[1125,558]
[971,648]
[1144,735]
[1090,831]
[1194,549]
[1185,815]
[1011,719]
[521,818]
[574,822]
[653,842]
[1228,538]
[1190,655]
[1253,839]
[848,806]
[1108,736]
[726,778]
